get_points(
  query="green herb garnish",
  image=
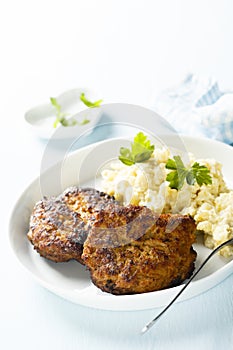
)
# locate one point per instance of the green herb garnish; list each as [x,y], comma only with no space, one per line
[84,121]
[197,173]
[56,105]
[89,103]
[141,150]
[60,116]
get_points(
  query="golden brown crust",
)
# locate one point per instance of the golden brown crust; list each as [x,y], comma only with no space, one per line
[59,226]
[138,251]
[127,249]
[87,201]
[56,232]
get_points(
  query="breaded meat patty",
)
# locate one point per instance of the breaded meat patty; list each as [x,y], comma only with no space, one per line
[59,225]
[134,250]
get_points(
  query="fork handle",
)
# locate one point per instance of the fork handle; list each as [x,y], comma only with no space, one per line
[151,323]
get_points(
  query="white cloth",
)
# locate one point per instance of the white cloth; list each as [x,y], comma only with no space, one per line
[197,107]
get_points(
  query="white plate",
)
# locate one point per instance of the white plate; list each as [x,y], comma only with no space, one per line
[71,280]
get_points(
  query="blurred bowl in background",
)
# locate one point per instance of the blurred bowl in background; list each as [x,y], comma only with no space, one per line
[41,118]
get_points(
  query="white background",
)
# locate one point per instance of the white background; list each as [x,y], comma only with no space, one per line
[127,51]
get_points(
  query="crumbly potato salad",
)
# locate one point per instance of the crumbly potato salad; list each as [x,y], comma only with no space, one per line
[164,185]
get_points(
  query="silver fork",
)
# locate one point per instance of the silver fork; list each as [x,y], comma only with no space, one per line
[151,323]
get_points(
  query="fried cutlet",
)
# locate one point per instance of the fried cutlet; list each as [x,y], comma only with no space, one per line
[134,250]
[59,225]
[126,249]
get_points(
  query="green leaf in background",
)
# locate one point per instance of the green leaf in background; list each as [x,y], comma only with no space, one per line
[60,116]
[84,121]
[89,103]
[56,105]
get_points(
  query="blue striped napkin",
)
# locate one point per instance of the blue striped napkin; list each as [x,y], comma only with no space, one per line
[197,107]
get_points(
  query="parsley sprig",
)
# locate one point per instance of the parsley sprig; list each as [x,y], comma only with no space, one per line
[89,103]
[61,116]
[179,174]
[141,150]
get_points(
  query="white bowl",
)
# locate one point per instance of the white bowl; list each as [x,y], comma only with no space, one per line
[42,117]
